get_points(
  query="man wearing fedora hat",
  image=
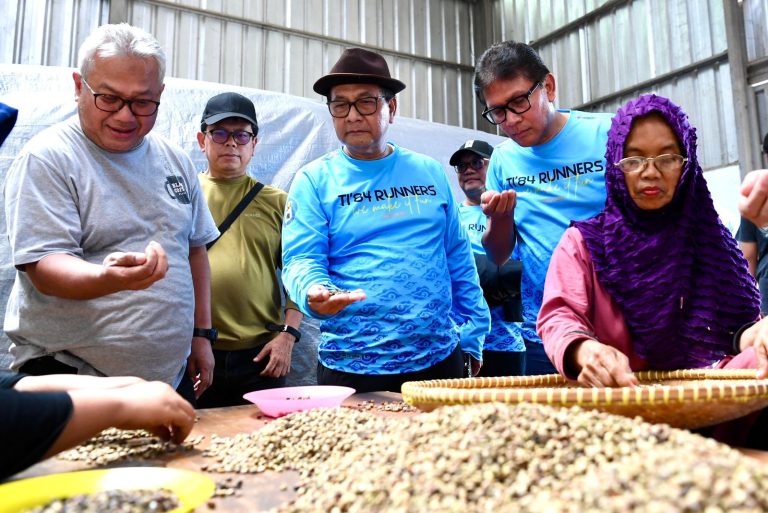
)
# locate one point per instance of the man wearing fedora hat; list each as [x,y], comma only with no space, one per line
[255,337]
[504,349]
[373,247]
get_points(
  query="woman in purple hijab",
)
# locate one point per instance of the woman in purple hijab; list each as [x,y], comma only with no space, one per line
[655,281]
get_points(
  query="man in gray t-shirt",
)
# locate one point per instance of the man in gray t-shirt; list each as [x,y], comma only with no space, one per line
[108,228]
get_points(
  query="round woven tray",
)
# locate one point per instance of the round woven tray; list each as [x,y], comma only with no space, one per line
[685,398]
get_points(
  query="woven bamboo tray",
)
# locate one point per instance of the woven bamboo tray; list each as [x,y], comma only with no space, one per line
[685,398]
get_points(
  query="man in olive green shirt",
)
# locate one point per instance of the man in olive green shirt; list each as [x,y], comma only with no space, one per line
[255,337]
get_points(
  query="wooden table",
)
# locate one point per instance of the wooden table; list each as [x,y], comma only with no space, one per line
[260,492]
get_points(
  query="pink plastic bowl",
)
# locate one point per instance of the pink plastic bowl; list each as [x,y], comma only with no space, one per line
[276,402]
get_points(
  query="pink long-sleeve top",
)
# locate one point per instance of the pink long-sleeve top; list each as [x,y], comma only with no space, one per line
[576,307]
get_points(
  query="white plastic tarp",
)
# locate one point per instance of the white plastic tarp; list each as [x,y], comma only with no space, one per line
[292,132]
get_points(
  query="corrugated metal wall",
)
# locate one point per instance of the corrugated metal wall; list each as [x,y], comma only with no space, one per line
[756,13]
[278,45]
[47,32]
[602,51]
[605,52]
[286,45]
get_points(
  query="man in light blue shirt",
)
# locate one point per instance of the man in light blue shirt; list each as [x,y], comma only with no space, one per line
[504,349]
[372,246]
[549,173]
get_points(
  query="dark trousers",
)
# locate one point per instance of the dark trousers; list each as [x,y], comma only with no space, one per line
[537,362]
[502,363]
[451,367]
[49,365]
[234,375]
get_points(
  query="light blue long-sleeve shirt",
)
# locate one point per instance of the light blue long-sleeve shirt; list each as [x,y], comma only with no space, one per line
[391,228]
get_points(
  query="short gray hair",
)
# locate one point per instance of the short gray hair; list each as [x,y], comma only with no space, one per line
[120,40]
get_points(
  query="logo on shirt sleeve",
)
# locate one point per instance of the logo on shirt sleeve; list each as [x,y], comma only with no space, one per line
[290,209]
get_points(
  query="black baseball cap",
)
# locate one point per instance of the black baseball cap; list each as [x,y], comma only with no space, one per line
[765,144]
[229,105]
[481,148]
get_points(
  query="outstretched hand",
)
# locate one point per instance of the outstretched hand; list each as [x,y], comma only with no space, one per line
[498,204]
[134,270]
[324,302]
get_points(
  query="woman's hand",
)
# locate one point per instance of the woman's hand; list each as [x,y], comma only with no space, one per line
[600,365]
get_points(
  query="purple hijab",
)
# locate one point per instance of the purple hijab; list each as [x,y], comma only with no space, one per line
[676,273]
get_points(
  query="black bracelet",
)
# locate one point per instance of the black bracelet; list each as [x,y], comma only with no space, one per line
[284,328]
[738,334]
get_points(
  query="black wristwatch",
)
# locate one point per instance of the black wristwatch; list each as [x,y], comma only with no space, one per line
[211,334]
[284,328]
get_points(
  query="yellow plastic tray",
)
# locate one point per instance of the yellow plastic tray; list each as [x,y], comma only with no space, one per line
[191,488]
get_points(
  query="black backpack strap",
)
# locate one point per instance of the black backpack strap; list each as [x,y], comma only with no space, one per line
[224,226]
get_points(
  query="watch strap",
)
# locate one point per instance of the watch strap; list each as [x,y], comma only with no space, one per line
[210,333]
[284,328]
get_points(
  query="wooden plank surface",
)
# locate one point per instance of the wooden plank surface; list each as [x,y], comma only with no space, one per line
[259,492]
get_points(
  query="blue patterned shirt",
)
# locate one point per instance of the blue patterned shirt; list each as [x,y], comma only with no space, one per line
[391,228]
[504,336]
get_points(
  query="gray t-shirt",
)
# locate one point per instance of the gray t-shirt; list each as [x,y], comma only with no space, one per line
[64,194]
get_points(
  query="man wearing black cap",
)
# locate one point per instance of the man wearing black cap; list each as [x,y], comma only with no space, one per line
[373,247]
[108,228]
[504,349]
[255,339]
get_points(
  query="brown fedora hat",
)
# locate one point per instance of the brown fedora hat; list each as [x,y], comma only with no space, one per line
[358,66]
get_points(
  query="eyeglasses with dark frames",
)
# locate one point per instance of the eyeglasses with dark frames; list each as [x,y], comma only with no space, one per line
[364,106]
[221,136]
[113,103]
[519,105]
[666,163]
[476,163]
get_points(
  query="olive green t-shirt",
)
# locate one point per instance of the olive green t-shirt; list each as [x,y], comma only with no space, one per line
[245,286]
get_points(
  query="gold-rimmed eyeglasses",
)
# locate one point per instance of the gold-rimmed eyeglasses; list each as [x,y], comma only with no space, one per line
[665,163]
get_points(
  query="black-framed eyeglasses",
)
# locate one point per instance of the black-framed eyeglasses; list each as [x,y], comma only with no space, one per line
[112,103]
[476,163]
[364,106]
[666,163]
[519,105]
[221,136]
